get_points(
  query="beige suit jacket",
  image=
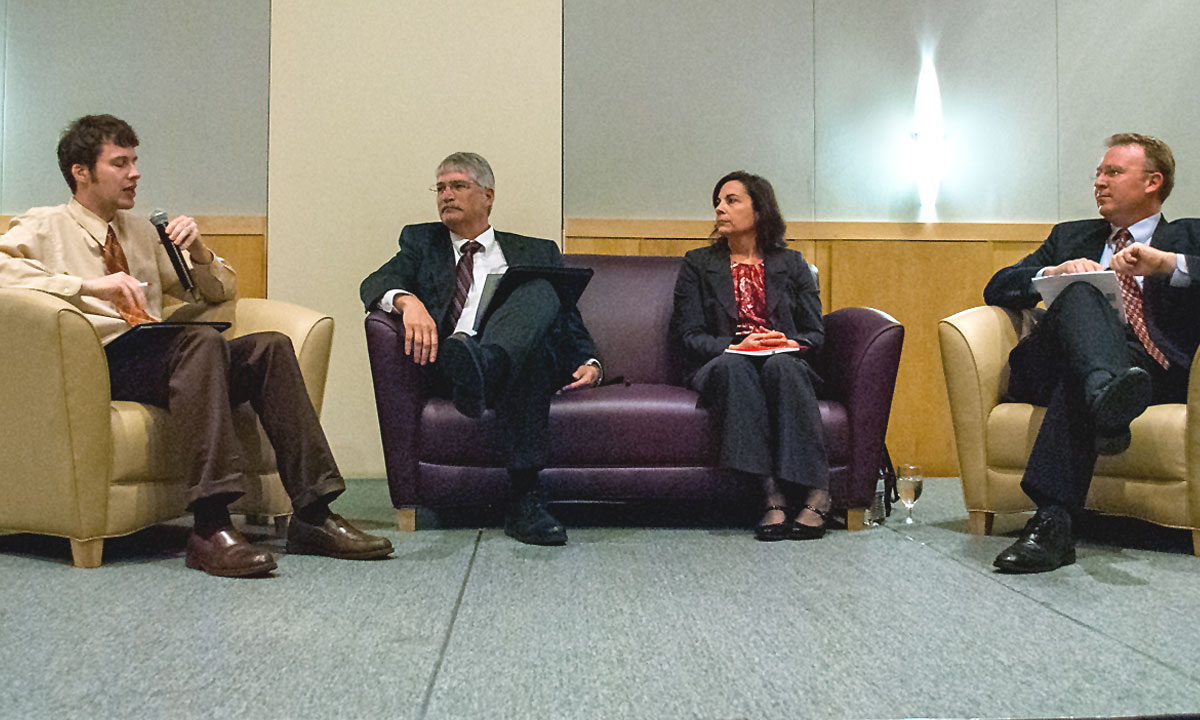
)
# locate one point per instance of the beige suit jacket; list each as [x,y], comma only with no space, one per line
[53,249]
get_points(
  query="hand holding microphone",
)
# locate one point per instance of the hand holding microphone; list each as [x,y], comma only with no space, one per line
[187,236]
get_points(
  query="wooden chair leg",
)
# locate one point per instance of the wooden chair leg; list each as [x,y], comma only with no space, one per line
[979,522]
[87,553]
[406,519]
[281,526]
[856,519]
[1196,543]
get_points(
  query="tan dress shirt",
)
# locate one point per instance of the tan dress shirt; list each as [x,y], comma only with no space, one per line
[53,249]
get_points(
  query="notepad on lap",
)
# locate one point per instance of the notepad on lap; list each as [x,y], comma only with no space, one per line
[1103,280]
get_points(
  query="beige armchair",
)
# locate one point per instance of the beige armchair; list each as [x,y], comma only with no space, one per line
[1156,479]
[75,464]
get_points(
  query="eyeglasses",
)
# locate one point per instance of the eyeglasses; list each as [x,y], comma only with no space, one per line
[454,185]
[1111,172]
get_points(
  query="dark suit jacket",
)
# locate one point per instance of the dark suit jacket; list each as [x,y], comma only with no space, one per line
[1172,313]
[705,315]
[425,267]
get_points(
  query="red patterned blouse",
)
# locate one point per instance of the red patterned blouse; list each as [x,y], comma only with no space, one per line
[751,296]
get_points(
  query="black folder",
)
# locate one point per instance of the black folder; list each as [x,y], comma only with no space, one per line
[165,329]
[567,282]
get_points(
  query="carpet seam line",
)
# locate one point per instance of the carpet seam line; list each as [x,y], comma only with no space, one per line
[437,666]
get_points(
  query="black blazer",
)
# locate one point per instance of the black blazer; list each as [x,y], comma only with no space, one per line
[1172,313]
[704,320]
[425,267]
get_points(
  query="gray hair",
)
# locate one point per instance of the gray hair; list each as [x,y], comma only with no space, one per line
[471,164]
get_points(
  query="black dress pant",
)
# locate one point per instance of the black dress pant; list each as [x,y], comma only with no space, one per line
[522,328]
[199,377]
[767,416]
[1079,334]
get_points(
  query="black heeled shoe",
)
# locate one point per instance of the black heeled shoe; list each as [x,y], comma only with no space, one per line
[770,532]
[809,532]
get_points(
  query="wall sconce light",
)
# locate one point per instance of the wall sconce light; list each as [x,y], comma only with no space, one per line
[928,139]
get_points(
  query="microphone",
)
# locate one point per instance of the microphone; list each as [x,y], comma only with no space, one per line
[158,219]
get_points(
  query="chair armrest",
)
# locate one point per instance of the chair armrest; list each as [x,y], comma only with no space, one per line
[975,344]
[55,427]
[1193,436]
[310,331]
[859,362]
[399,399]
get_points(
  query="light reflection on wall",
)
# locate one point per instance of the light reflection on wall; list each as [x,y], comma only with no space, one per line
[928,145]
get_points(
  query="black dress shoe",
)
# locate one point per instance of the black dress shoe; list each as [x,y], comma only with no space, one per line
[800,531]
[465,367]
[1045,544]
[526,519]
[226,553]
[770,532]
[1117,402]
[335,537]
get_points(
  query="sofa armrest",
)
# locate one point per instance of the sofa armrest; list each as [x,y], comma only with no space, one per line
[310,331]
[975,344]
[859,363]
[55,428]
[399,398]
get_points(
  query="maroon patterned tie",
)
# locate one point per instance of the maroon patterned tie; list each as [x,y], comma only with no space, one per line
[1131,294]
[464,276]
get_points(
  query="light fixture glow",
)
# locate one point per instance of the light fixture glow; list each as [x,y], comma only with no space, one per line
[929,139]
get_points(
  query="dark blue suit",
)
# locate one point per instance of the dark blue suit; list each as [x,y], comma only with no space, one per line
[544,342]
[1080,334]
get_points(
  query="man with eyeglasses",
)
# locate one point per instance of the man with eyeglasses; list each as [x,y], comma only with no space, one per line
[1092,370]
[530,348]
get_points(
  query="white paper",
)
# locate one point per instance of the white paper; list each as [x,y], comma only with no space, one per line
[1103,280]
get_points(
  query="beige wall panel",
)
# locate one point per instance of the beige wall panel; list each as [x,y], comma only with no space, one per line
[366,98]
[918,283]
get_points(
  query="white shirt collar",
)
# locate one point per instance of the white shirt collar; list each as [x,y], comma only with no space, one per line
[487,239]
[1142,230]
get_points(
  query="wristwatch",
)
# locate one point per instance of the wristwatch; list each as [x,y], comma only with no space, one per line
[599,368]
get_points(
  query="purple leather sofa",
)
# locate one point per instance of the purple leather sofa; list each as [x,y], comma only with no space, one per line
[642,439]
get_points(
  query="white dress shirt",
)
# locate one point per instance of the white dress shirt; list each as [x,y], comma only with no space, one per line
[488,260]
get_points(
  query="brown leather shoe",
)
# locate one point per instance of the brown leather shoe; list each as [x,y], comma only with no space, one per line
[335,538]
[227,554]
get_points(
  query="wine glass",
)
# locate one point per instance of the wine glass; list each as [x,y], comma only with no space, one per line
[908,484]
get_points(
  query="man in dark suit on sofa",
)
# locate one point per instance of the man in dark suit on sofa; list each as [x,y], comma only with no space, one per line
[1096,372]
[530,347]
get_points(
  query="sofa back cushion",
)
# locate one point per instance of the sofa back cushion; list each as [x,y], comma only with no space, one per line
[627,308]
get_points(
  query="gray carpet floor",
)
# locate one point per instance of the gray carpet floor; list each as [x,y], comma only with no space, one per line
[624,622]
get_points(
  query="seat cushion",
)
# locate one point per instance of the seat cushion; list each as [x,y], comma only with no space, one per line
[143,450]
[639,425]
[615,425]
[1158,449]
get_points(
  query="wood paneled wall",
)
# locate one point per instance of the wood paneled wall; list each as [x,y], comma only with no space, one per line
[917,273]
[242,240]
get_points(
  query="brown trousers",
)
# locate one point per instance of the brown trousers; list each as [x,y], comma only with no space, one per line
[199,377]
